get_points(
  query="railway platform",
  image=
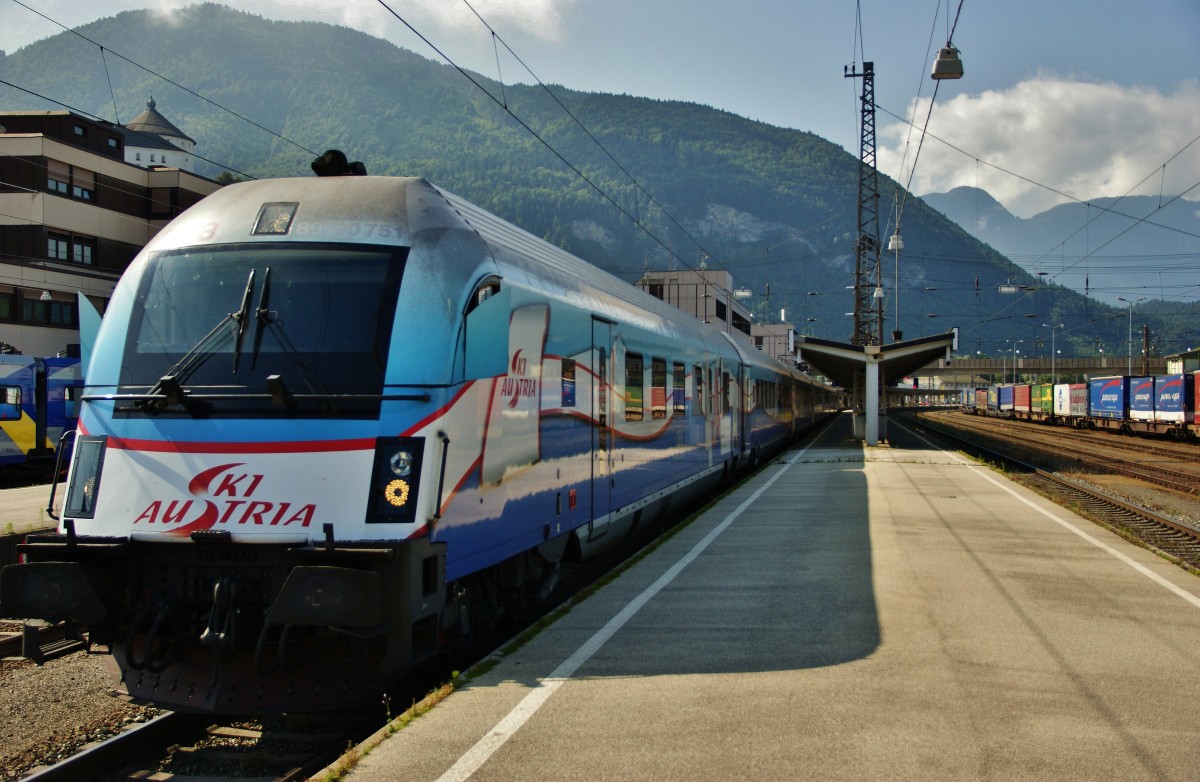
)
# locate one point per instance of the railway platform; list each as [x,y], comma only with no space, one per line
[849,613]
[23,509]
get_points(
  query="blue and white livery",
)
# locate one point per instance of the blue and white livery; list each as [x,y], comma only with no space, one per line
[332,422]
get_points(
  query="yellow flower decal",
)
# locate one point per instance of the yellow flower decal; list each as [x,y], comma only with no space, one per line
[396,493]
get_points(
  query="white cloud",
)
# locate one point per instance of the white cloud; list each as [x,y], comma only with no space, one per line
[1084,139]
[543,19]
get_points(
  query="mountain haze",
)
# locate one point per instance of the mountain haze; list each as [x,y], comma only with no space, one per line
[1132,246]
[771,205]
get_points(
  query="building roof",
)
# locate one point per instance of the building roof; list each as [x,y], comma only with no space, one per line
[151,121]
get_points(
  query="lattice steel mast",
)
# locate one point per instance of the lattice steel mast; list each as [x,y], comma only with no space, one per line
[868,291]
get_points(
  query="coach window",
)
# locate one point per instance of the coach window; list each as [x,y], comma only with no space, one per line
[10,403]
[634,378]
[658,388]
[678,389]
[568,382]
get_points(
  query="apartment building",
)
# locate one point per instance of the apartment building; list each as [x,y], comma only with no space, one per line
[74,213]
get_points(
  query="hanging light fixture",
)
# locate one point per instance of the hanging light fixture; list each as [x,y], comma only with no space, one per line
[947,65]
[896,243]
[45,296]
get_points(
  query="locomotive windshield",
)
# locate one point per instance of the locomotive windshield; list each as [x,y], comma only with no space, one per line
[212,325]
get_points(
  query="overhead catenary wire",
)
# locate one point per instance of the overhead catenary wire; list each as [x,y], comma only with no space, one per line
[590,135]
[128,132]
[167,80]
[587,180]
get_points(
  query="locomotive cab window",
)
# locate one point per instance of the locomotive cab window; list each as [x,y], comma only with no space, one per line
[221,320]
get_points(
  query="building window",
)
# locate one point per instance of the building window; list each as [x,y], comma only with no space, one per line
[58,246]
[81,131]
[83,250]
[58,177]
[114,143]
[83,184]
[8,304]
[69,247]
[137,155]
[70,180]
[50,313]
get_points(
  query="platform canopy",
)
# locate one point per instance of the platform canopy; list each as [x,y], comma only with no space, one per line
[862,369]
[841,362]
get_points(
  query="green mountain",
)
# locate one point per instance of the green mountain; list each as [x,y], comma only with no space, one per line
[771,205]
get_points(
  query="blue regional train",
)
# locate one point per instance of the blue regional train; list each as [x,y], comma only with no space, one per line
[332,423]
[38,402]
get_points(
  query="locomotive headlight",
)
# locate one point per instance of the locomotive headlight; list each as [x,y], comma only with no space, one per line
[401,464]
[395,479]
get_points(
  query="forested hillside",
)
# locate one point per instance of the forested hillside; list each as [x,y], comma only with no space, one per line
[771,205]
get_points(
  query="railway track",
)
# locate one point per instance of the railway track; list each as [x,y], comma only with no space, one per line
[202,748]
[1175,538]
[1062,444]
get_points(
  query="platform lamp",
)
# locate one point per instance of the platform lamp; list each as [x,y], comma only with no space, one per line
[896,244]
[947,65]
[1053,353]
[1131,303]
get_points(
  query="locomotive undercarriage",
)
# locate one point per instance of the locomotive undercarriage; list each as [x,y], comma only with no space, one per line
[213,626]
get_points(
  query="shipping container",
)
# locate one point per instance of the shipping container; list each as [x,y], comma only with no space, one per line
[1175,398]
[1005,394]
[981,400]
[1141,399]
[993,397]
[1043,399]
[1108,397]
[1022,398]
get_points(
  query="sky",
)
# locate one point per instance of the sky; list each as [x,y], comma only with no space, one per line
[1061,99]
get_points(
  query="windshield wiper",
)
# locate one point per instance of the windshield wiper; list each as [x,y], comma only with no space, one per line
[168,391]
[242,316]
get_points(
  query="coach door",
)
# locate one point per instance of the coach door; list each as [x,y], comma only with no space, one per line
[601,429]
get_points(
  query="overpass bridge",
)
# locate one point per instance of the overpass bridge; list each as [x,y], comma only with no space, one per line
[985,371]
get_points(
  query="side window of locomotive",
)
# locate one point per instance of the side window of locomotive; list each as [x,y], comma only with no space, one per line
[658,388]
[678,389]
[486,290]
[10,403]
[634,377]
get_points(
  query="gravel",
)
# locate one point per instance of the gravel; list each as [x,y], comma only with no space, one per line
[49,712]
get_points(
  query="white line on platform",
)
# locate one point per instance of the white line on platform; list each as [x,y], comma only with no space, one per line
[1145,571]
[475,757]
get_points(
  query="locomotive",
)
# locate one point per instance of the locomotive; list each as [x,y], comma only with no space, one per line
[332,423]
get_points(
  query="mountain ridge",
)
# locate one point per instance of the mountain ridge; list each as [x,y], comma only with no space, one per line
[769,204]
